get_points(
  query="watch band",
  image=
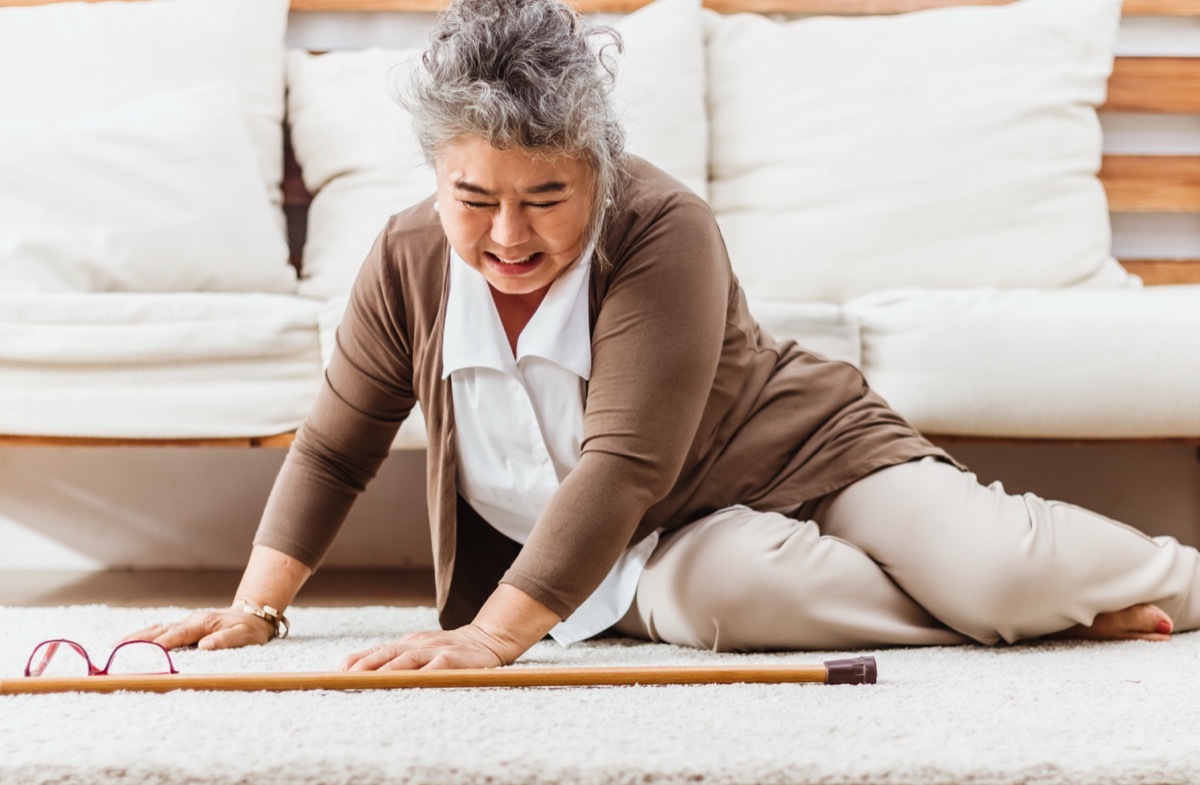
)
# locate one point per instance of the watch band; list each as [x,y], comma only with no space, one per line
[268,614]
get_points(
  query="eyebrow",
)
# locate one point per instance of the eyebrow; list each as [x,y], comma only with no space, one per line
[541,188]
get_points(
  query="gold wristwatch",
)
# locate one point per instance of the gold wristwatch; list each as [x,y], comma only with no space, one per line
[266,613]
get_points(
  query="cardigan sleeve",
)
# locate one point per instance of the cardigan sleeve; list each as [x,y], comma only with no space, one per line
[656,345]
[365,395]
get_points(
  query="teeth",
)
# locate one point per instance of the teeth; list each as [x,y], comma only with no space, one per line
[515,261]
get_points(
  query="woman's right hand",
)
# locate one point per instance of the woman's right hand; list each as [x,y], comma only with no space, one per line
[227,628]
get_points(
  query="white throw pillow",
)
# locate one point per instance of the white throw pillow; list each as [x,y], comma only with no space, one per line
[161,195]
[946,148]
[660,89]
[358,156]
[355,146]
[68,58]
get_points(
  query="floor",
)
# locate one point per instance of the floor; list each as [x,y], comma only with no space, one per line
[206,588]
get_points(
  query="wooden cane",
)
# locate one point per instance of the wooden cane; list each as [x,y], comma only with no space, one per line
[860,670]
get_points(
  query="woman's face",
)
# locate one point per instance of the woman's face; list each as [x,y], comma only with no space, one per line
[517,219]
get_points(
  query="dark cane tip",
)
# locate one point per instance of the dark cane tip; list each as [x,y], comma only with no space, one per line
[858,670]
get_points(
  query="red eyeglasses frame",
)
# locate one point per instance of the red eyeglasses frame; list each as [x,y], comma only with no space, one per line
[35,671]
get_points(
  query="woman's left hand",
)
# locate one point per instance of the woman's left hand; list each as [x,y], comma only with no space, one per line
[506,626]
[465,647]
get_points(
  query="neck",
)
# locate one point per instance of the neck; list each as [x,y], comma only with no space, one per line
[516,310]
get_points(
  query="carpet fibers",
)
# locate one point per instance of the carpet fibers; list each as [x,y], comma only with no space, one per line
[1066,712]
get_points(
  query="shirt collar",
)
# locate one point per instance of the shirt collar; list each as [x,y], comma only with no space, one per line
[558,331]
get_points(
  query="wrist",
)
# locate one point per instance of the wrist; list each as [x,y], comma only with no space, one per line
[511,621]
[504,651]
[268,614]
[271,578]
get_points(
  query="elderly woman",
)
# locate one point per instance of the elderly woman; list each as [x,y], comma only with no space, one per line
[615,445]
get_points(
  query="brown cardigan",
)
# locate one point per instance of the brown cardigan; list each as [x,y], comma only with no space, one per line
[690,408]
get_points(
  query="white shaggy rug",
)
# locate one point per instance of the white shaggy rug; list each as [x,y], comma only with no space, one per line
[1045,713]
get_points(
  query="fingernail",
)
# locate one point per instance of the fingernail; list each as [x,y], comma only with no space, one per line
[1163,628]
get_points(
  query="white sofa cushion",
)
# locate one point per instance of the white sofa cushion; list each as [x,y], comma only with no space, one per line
[948,148]
[1076,363]
[69,58]
[162,194]
[157,365]
[359,160]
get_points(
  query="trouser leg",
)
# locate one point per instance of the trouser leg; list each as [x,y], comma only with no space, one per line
[997,566]
[741,580]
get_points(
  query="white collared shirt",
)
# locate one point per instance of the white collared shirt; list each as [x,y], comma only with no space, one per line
[519,420]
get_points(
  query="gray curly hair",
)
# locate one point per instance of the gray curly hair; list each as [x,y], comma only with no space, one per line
[522,74]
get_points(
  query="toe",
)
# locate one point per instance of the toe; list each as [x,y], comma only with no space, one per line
[1144,622]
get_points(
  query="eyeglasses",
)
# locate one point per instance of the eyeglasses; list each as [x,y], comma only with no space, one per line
[62,657]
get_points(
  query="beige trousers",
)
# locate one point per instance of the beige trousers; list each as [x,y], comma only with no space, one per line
[919,553]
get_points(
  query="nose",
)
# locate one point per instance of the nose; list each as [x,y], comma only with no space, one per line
[510,227]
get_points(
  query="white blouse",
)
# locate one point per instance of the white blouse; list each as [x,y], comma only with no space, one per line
[519,420]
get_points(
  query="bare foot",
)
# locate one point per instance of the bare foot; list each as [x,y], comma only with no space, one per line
[1137,622]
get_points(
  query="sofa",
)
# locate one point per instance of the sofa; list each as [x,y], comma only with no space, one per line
[916,194]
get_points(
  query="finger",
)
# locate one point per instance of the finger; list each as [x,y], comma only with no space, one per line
[380,657]
[414,659]
[229,638]
[183,633]
[397,646]
[145,634]
[441,661]
[351,659]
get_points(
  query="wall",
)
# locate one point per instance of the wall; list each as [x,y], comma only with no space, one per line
[131,507]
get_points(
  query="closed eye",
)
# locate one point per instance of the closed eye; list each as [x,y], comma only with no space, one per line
[489,205]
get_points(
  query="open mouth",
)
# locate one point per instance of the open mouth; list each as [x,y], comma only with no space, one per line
[513,263]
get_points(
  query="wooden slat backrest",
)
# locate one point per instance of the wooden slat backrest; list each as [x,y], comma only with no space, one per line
[1155,85]
[1152,183]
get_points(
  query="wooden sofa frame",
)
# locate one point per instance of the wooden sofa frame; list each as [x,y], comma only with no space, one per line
[1134,183]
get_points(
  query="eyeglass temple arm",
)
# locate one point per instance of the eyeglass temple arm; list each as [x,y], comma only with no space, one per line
[51,647]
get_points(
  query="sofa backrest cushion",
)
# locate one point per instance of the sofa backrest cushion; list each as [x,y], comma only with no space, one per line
[946,148]
[357,155]
[66,59]
[163,194]
[355,148]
